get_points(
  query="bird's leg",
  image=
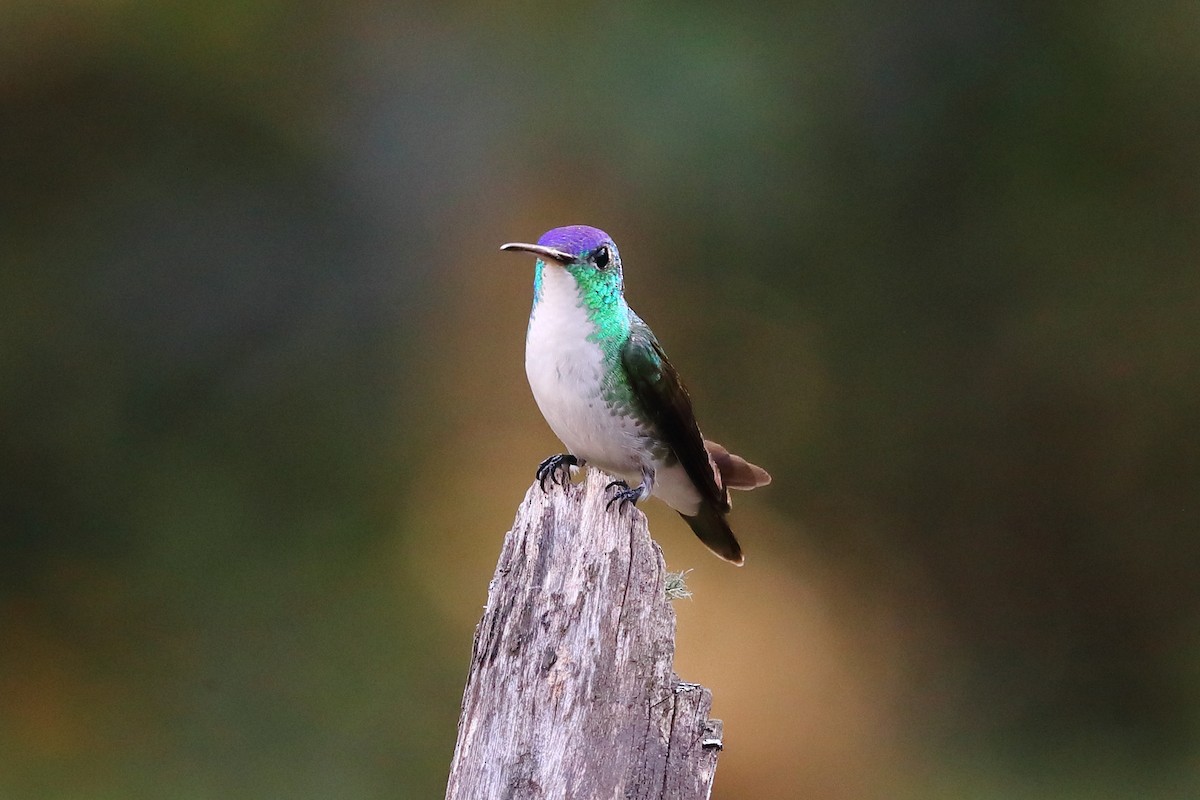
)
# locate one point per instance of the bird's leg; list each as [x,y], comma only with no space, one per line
[557,469]
[626,496]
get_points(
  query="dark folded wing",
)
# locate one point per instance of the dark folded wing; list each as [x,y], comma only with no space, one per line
[661,394]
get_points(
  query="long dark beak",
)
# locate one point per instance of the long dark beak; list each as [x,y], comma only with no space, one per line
[545,252]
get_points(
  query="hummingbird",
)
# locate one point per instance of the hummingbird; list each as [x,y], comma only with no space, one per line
[608,391]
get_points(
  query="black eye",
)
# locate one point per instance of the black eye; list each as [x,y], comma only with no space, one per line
[600,257]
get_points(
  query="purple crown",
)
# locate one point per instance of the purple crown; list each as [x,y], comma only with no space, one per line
[574,239]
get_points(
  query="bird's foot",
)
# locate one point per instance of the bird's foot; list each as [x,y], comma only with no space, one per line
[557,469]
[624,495]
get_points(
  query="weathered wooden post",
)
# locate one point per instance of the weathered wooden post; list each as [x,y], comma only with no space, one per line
[571,693]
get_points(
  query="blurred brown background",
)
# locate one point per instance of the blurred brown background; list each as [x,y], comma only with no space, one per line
[264,420]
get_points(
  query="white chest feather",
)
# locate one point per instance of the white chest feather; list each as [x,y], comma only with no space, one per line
[566,371]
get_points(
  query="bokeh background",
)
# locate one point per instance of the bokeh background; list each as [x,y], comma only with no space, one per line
[264,420]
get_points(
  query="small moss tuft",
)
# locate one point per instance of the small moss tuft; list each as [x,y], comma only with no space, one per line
[675,585]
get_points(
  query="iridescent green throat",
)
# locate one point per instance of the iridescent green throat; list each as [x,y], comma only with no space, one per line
[600,294]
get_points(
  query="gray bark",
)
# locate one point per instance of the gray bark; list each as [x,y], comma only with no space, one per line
[571,693]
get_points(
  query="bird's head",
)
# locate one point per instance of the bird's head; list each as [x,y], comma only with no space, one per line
[588,254]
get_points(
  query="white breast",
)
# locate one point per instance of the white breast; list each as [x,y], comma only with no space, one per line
[566,371]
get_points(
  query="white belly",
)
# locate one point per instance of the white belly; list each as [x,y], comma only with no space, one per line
[566,372]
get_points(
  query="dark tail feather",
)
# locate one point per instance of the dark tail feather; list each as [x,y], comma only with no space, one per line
[713,530]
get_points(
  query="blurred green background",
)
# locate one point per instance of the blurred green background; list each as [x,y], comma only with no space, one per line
[264,420]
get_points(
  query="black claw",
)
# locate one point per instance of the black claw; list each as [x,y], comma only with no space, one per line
[557,469]
[624,497]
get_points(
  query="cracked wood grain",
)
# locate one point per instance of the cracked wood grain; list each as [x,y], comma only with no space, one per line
[571,692]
